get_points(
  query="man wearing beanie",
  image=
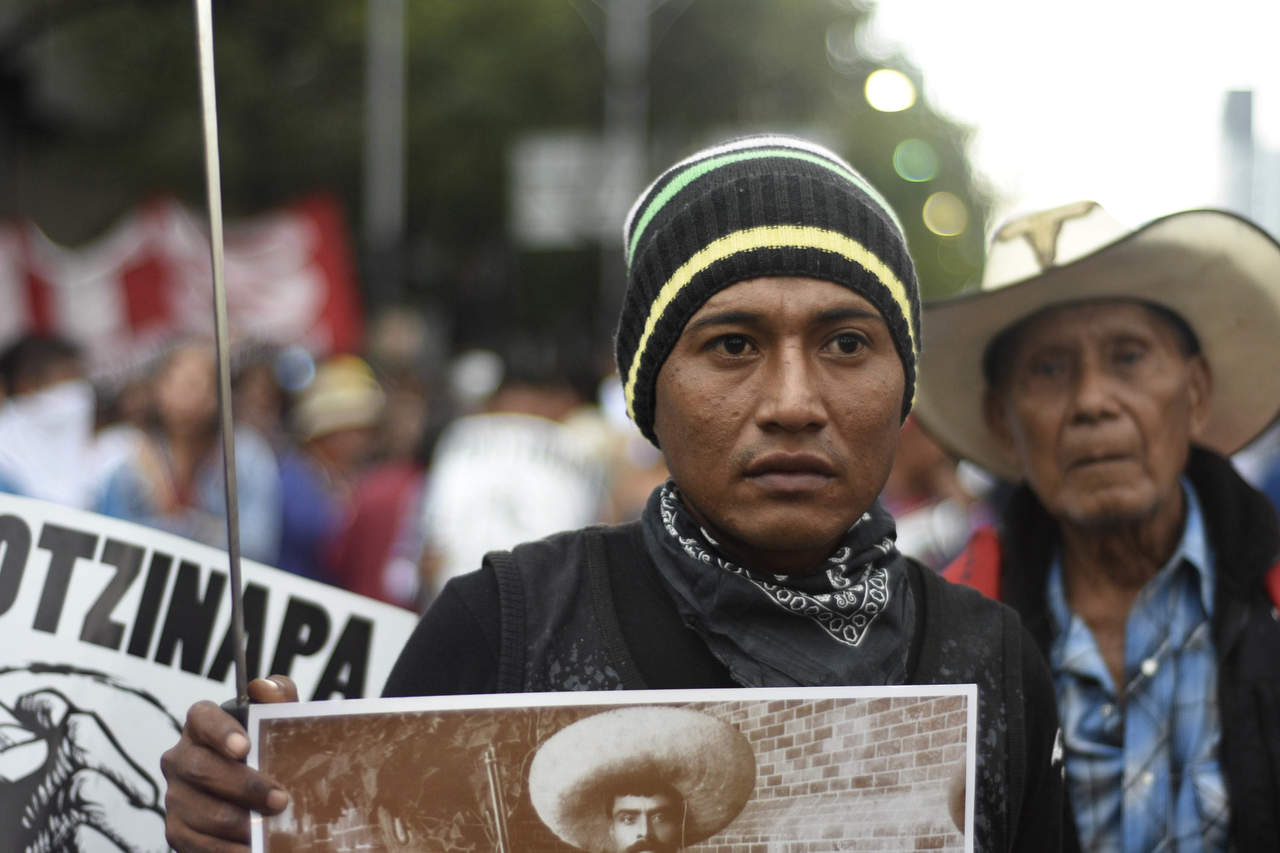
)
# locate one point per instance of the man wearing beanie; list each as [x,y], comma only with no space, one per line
[767,345]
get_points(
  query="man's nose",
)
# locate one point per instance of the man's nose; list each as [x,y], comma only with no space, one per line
[1093,396]
[790,396]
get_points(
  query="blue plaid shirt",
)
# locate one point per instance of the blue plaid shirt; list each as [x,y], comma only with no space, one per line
[1142,765]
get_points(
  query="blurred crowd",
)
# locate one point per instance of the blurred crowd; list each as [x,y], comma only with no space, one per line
[380,475]
[377,474]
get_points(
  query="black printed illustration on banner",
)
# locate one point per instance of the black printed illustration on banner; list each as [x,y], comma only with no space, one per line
[79,762]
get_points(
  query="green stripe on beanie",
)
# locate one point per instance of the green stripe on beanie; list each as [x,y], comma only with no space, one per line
[759,206]
[682,177]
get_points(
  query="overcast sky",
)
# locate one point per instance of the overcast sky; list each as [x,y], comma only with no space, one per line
[1116,100]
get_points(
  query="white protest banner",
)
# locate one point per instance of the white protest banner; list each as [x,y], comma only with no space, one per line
[109,631]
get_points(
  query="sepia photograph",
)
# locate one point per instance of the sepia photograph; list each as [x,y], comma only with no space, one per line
[740,771]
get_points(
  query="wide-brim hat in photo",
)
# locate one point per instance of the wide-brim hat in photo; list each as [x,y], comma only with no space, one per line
[1218,272]
[706,760]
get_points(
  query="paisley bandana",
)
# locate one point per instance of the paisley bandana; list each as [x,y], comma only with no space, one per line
[848,621]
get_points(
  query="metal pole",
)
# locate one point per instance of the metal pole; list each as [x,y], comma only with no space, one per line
[384,149]
[625,138]
[209,111]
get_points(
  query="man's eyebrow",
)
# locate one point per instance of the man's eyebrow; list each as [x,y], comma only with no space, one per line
[724,318]
[849,314]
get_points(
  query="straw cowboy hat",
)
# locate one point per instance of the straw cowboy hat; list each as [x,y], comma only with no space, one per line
[344,395]
[1218,272]
[708,761]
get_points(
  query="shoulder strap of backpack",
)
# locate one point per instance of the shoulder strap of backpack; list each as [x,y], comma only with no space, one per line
[609,556]
[510,622]
[1016,734]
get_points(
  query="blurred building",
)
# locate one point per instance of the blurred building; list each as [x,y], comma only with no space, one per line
[1250,171]
[1250,177]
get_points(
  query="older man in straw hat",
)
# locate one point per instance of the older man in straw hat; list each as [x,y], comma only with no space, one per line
[1120,369]
[647,778]
[768,344]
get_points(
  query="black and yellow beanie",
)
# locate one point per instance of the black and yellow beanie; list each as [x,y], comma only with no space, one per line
[759,206]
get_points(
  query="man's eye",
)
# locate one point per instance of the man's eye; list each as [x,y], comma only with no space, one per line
[733,344]
[848,342]
[1128,355]
[1047,367]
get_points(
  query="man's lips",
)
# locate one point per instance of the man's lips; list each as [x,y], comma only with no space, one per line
[790,471]
[1093,459]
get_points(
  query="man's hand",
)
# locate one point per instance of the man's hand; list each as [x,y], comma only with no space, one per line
[211,790]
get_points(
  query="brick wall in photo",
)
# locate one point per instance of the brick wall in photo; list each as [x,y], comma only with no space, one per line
[848,775]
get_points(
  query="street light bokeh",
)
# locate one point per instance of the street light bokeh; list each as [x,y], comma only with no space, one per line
[889,90]
[945,214]
[915,160]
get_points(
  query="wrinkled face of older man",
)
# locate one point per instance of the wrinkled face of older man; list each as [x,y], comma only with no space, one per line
[1099,403]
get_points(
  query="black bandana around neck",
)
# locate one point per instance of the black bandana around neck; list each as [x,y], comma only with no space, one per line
[847,622]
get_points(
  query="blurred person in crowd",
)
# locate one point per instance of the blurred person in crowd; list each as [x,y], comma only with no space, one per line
[174,480]
[1121,368]
[934,512]
[259,400]
[377,552]
[46,421]
[473,377]
[636,467]
[407,416]
[533,462]
[334,421]
[402,350]
[120,422]
[769,337]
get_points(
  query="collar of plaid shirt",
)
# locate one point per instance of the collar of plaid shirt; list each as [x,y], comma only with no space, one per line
[1143,770]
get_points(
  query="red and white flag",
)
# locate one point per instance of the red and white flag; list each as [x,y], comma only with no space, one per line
[290,279]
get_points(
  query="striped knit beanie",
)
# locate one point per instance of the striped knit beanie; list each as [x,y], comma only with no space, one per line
[759,206]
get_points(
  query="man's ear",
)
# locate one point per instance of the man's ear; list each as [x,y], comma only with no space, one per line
[1200,391]
[996,414]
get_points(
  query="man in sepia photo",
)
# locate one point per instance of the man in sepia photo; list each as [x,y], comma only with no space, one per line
[641,780]
[651,822]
